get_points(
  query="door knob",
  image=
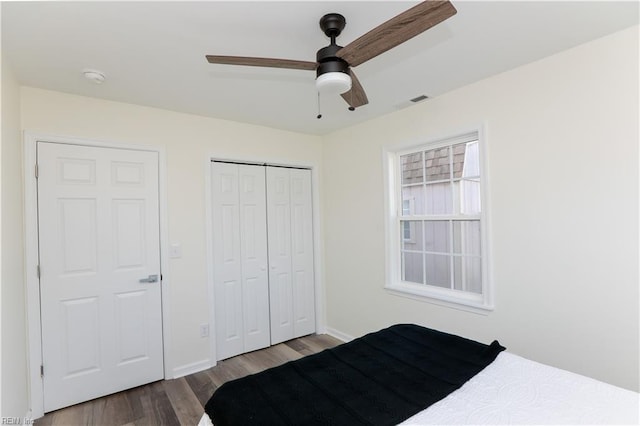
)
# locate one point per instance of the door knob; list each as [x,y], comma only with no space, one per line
[149,279]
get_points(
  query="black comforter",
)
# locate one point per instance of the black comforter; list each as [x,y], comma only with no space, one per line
[381,378]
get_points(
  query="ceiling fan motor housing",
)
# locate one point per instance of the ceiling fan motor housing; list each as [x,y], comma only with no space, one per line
[329,62]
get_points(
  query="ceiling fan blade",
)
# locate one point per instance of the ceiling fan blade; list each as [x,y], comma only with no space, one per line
[356,97]
[262,62]
[396,31]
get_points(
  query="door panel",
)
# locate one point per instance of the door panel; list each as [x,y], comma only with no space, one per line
[240,257]
[232,297]
[290,253]
[128,235]
[78,234]
[302,253]
[279,231]
[80,336]
[131,328]
[255,281]
[99,234]
[226,260]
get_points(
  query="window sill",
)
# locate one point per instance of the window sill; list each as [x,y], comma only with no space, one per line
[440,296]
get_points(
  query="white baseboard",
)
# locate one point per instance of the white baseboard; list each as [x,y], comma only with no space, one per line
[339,335]
[194,367]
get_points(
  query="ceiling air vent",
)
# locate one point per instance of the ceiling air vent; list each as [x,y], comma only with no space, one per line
[411,102]
[419,98]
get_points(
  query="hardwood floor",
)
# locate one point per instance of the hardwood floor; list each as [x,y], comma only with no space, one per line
[181,401]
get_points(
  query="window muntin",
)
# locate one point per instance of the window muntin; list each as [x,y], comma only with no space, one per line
[437,189]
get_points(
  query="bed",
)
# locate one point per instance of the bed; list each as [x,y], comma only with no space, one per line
[407,374]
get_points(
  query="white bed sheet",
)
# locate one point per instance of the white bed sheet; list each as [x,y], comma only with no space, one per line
[513,390]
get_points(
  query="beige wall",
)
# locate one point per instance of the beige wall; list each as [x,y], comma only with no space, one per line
[563,169]
[14,359]
[188,140]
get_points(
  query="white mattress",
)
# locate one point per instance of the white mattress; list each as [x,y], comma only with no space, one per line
[514,390]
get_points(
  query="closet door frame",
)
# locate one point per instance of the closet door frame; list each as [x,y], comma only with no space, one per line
[317,244]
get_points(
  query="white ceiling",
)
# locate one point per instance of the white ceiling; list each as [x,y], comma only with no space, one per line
[153,53]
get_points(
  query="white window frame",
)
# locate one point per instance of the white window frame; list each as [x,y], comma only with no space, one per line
[468,301]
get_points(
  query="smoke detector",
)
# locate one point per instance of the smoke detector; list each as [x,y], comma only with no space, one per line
[94,76]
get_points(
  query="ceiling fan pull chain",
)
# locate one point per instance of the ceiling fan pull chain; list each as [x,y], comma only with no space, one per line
[319,114]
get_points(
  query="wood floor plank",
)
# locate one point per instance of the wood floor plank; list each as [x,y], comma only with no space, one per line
[134,398]
[201,385]
[47,420]
[117,408]
[180,401]
[219,376]
[243,366]
[296,344]
[282,353]
[69,416]
[157,406]
[317,343]
[185,404]
[271,357]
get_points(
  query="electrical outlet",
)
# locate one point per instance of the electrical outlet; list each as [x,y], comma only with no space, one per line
[204,330]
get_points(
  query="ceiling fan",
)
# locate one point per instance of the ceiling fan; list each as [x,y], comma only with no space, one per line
[333,63]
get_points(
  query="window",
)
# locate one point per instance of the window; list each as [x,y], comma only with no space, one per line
[436,226]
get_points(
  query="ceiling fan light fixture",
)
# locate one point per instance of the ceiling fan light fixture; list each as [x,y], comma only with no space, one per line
[333,83]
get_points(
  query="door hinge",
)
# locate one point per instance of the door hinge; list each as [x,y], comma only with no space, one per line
[36,171]
[38,271]
[41,370]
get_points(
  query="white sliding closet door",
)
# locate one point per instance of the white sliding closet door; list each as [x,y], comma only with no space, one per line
[290,229]
[240,258]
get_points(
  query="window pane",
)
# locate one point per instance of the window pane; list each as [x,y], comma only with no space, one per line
[471,167]
[412,166]
[412,267]
[438,270]
[436,234]
[458,159]
[469,196]
[411,234]
[438,198]
[438,164]
[468,274]
[466,237]
[412,200]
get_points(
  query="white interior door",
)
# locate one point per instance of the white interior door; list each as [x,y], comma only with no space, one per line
[98,217]
[240,258]
[253,253]
[304,318]
[290,230]
[279,231]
